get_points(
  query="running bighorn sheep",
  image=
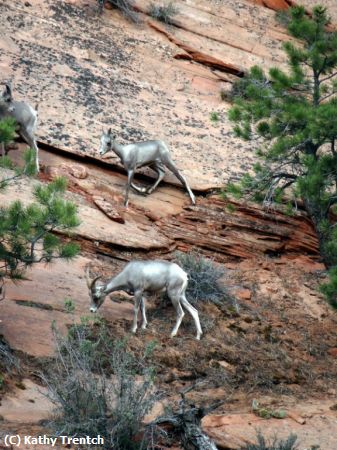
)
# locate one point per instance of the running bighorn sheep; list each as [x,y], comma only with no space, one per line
[154,154]
[25,116]
[139,277]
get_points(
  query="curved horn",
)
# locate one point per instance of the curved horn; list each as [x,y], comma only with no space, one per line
[87,277]
[90,283]
[94,281]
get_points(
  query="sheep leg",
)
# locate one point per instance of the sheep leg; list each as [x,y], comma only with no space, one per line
[159,168]
[170,165]
[29,138]
[174,297]
[141,190]
[194,314]
[138,301]
[130,178]
[143,309]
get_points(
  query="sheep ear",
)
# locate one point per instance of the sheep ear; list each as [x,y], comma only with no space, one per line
[2,291]
[7,93]
[109,131]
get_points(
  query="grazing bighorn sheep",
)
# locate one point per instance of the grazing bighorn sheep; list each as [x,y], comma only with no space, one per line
[154,154]
[139,277]
[25,116]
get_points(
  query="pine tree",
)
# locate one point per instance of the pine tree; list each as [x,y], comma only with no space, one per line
[7,132]
[27,233]
[293,117]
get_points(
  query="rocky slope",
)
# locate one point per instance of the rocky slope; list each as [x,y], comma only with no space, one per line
[146,81]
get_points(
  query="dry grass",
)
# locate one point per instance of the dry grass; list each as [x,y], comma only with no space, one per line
[125,6]
[275,444]
[163,13]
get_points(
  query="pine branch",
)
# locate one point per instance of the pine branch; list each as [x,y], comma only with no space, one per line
[329,77]
[327,96]
[285,175]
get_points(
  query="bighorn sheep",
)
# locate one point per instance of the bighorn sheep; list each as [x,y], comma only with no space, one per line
[139,277]
[25,116]
[154,154]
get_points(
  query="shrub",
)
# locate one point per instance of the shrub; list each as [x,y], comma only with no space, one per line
[238,89]
[163,13]
[214,117]
[91,401]
[69,305]
[8,360]
[275,444]
[203,278]
[225,95]
[125,6]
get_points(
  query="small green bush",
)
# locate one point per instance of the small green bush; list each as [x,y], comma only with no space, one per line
[69,305]
[7,130]
[275,444]
[203,278]
[214,117]
[163,13]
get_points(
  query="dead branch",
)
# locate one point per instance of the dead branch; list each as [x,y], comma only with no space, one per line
[187,423]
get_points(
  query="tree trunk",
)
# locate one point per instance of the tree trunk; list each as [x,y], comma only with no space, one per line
[194,439]
[187,423]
